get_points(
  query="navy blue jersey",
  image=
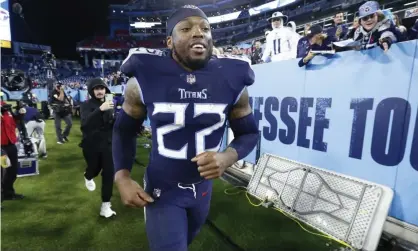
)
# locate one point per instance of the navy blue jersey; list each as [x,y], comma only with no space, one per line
[187,110]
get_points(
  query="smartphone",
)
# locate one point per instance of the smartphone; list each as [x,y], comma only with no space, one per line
[109,97]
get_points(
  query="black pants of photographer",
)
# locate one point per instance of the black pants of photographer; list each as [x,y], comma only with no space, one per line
[100,162]
[61,136]
[9,174]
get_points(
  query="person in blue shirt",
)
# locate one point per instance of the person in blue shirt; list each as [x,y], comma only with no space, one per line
[35,128]
[315,40]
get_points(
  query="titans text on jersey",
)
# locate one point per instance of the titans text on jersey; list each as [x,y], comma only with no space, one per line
[187,110]
[184,94]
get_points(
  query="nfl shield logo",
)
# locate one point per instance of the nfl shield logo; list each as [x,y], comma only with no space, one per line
[191,79]
[156,193]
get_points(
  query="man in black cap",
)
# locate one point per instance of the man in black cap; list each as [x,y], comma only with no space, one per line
[188,95]
[96,126]
[315,42]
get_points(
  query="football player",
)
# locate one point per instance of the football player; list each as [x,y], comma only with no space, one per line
[281,42]
[189,96]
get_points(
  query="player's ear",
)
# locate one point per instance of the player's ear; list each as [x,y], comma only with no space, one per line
[170,42]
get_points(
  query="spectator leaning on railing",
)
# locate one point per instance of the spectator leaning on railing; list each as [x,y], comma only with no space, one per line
[375,28]
[315,40]
[413,33]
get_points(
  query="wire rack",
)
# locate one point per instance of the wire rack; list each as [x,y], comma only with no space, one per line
[335,204]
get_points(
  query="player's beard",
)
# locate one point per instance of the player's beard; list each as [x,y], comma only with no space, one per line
[193,64]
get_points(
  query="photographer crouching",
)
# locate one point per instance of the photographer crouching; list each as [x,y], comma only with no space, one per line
[35,125]
[9,122]
[97,118]
[62,110]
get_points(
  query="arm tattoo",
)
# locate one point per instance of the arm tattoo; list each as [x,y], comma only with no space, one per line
[133,105]
[242,108]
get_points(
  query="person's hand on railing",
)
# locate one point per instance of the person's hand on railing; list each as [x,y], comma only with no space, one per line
[385,43]
[308,57]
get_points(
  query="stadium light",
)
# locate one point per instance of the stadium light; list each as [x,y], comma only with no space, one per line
[145,25]
[224,18]
[269,6]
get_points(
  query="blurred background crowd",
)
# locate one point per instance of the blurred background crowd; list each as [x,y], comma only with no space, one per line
[251,29]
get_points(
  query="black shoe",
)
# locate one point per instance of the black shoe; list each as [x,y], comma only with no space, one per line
[65,139]
[13,197]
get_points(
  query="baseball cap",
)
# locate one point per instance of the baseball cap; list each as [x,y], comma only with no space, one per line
[314,30]
[368,8]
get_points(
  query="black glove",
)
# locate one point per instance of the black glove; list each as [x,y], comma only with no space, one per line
[387,40]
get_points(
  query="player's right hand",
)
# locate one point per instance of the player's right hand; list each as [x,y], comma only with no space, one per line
[106,106]
[132,194]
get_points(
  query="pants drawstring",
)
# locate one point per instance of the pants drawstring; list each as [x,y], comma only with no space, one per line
[193,188]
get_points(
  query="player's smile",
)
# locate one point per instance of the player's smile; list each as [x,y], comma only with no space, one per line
[198,48]
[191,42]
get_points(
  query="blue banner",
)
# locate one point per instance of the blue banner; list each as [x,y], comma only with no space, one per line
[42,93]
[355,113]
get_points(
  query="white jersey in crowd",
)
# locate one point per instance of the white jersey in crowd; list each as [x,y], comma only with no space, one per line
[281,44]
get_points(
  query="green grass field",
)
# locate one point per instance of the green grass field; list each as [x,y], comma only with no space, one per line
[58,213]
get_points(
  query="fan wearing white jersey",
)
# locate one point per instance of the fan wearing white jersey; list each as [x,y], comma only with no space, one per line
[281,42]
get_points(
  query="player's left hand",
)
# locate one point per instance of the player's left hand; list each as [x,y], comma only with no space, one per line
[212,165]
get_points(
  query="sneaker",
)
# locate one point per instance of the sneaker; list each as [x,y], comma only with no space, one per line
[65,139]
[60,142]
[106,210]
[90,185]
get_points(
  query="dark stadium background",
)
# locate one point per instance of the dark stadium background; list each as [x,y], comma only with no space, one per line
[61,24]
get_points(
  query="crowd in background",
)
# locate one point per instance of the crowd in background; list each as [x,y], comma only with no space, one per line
[304,46]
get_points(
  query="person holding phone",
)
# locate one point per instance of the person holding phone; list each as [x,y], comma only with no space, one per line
[97,118]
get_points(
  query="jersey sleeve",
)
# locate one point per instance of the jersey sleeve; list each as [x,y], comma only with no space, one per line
[268,49]
[240,72]
[134,64]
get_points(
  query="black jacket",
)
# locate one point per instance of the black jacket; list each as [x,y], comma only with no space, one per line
[96,125]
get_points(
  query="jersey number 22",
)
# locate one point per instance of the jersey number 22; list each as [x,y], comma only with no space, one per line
[179,111]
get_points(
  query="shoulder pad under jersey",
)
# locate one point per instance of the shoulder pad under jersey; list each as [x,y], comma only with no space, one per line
[234,57]
[239,70]
[136,59]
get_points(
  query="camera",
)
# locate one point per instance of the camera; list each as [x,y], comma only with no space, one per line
[6,108]
[14,80]
[25,141]
[48,57]
[49,60]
